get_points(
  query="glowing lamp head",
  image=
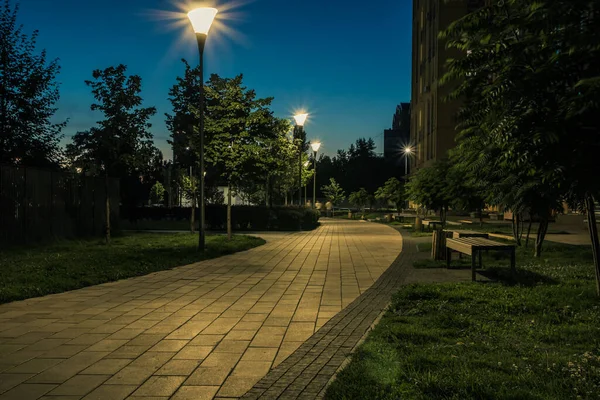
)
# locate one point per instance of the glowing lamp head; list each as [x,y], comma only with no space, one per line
[407,150]
[300,119]
[315,146]
[202,18]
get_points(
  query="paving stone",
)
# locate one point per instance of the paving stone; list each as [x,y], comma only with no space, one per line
[27,391]
[106,367]
[195,393]
[160,386]
[178,367]
[111,392]
[80,385]
[191,352]
[35,366]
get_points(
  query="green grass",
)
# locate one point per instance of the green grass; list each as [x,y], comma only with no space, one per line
[505,229]
[412,232]
[536,337]
[67,265]
[146,224]
[425,247]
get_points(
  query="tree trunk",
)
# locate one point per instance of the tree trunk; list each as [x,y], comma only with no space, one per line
[593,228]
[267,191]
[286,201]
[522,228]
[528,231]
[229,212]
[193,213]
[541,234]
[512,225]
[106,188]
[481,217]
[516,223]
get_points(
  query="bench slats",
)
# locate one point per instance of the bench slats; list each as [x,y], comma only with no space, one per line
[476,243]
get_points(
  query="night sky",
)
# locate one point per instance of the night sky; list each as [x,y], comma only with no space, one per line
[346,62]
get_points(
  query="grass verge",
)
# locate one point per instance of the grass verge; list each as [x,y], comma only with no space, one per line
[532,338]
[67,265]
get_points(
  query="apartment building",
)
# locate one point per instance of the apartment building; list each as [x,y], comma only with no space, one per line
[433,119]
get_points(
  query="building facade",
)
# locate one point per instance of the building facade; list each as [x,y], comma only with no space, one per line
[397,138]
[433,121]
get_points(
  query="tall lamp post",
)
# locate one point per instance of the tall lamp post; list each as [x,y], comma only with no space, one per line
[306,163]
[202,19]
[315,147]
[407,152]
[300,120]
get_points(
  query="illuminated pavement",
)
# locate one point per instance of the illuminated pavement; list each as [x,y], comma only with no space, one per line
[211,329]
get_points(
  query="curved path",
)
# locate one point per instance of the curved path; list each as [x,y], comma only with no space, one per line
[210,329]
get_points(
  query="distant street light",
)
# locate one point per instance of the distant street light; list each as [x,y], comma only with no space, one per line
[315,147]
[300,120]
[407,152]
[202,19]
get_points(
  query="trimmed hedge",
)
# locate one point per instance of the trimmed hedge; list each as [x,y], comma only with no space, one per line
[243,218]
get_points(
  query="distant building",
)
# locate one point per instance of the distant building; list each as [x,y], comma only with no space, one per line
[432,118]
[397,138]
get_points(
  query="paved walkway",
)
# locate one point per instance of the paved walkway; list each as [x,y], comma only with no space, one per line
[209,329]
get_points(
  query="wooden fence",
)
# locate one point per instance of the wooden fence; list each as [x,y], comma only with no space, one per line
[37,205]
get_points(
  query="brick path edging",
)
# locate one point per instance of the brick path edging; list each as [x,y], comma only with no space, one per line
[306,372]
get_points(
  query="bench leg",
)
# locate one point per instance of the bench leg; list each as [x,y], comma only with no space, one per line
[448,257]
[473,267]
[480,262]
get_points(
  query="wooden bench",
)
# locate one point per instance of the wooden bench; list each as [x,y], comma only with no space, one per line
[465,221]
[473,246]
[460,233]
[430,224]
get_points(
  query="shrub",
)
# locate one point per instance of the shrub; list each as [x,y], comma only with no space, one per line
[243,218]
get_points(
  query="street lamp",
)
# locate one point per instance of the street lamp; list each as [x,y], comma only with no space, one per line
[306,163]
[300,120]
[201,19]
[315,147]
[407,152]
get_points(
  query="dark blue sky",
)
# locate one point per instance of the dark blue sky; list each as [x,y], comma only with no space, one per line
[346,61]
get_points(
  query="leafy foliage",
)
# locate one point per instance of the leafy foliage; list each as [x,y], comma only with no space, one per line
[528,133]
[121,144]
[157,193]
[393,191]
[360,199]
[28,94]
[355,168]
[333,192]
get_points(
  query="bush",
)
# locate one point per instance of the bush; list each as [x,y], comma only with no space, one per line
[243,218]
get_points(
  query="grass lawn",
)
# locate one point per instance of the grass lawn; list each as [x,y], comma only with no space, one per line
[534,338]
[506,228]
[67,265]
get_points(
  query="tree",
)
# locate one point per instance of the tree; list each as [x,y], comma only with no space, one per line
[238,124]
[28,94]
[393,191]
[184,97]
[355,168]
[428,188]
[521,123]
[121,144]
[157,193]
[360,199]
[333,193]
